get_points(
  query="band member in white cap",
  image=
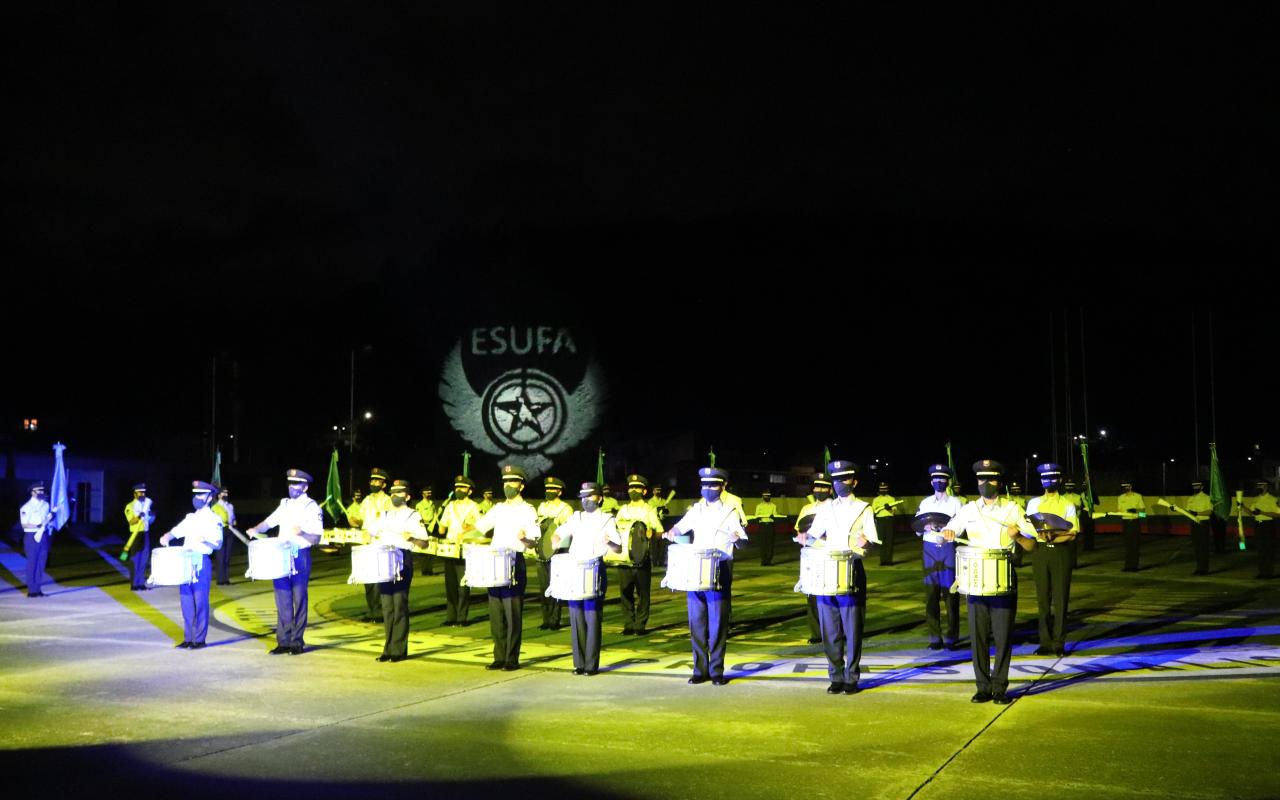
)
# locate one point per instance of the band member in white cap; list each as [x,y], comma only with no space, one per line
[715,525]
[1052,561]
[591,534]
[821,493]
[992,522]
[846,523]
[37,532]
[140,515]
[939,557]
[301,524]
[401,527]
[200,532]
[515,526]
[458,516]
[375,504]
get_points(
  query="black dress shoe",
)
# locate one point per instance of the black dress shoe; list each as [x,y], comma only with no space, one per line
[544,627]
[397,659]
[638,632]
[1060,651]
[578,670]
[628,630]
[296,650]
[953,645]
[698,679]
[1002,699]
[852,688]
[197,645]
[935,645]
[721,681]
[384,657]
[512,667]
[815,640]
[981,697]
[494,665]
[835,688]
[279,649]
[184,645]
[1042,650]
[591,672]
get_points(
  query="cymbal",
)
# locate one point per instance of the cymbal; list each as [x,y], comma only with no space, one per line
[1044,522]
[804,523]
[934,518]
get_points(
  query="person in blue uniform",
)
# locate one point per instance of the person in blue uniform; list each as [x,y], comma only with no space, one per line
[1052,561]
[37,532]
[714,524]
[591,533]
[939,559]
[514,524]
[846,523]
[140,515]
[301,524]
[821,494]
[201,533]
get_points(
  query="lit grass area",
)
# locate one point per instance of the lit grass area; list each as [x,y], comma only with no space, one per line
[1169,689]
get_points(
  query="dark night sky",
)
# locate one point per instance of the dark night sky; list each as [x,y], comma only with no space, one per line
[728,208]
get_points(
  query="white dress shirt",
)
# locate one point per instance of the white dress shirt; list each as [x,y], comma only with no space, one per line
[839,523]
[932,505]
[296,515]
[36,516]
[396,527]
[984,525]
[589,533]
[200,531]
[511,521]
[715,526]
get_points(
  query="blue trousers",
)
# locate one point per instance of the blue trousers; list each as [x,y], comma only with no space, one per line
[939,574]
[37,558]
[223,557]
[709,625]
[584,625]
[291,602]
[506,616]
[141,560]
[195,605]
[841,617]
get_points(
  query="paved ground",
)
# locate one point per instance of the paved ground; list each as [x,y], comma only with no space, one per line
[1169,689]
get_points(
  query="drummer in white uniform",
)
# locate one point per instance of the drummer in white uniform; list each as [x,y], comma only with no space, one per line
[201,533]
[992,522]
[301,524]
[846,523]
[515,527]
[591,534]
[939,557]
[400,527]
[717,526]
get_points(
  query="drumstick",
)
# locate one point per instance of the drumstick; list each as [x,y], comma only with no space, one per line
[238,534]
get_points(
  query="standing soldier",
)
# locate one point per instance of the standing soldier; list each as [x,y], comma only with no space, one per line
[1265,511]
[458,516]
[714,525]
[37,523]
[400,527]
[610,504]
[939,556]
[552,513]
[1051,562]
[1200,506]
[732,500]
[846,523]
[140,516]
[1073,497]
[1015,494]
[227,512]
[1085,540]
[658,545]
[486,501]
[353,510]
[515,526]
[200,532]
[374,505]
[821,495]
[301,525]
[635,570]
[427,511]
[991,522]
[591,534]
[766,515]
[882,506]
[1132,508]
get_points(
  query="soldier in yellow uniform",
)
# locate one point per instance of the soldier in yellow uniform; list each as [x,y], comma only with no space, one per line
[552,513]
[658,545]
[1085,540]
[486,501]
[1052,560]
[1073,497]
[140,516]
[458,516]
[732,500]
[353,510]
[635,570]
[766,516]
[610,504]
[883,505]
[224,509]
[821,495]
[1015,494]
[1265,511]
[427,511]
[372,507]
[1132,508]
[1200,506]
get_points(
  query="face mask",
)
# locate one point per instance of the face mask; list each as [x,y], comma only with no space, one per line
[989,489]
[939,486]
[590,504]
[1052,485]
[635,494]
[511,491]
[461,493]
[843,489]
[553,496]
[374,488]
[296,490]
[821,494]
[199,501]
[398,500]
[710,495]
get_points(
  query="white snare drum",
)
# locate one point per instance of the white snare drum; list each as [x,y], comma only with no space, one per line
[983,573]
[375,563]
[489,566]
[269,559]
[690,569]
[174,566]
[826,572]
[573,578]
[447,549]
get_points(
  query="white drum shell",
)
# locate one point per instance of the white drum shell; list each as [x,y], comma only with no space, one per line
[692,569]
[982,572]
[269,559]
[488,566]
[827,572]
[173,566]
[573,578]
[375,563]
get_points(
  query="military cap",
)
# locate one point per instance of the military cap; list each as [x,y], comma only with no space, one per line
[637,480]
[589,488]
[554,483]
[1126,484]
[766,493]
[510,472]
[1070,483]
[378,472]
[713,475]
[884,487]
[400,485]
[202,487]
[298,476]
[821,479]
[843,469]
[941,471]
[37,485]
[1262,483]
[139,487]
[463,480]
[1197,484]
[1014,486]
[987,467]
[1049,470]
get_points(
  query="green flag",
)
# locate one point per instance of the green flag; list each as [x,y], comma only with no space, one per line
[600,466]
[333,493]
[217,468]
[1087,496]
[955,482]
[826,458]
[711,456]
[466,464]
[1217,486]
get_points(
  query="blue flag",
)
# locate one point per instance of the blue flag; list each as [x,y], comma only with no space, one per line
[61,508]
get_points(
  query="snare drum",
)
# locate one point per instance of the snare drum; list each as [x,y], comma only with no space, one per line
[573,578]
[488,566]
[690,569]
[448,549]
[826,572]
[375,563]
[983,573]
[174,566]
[269,559]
